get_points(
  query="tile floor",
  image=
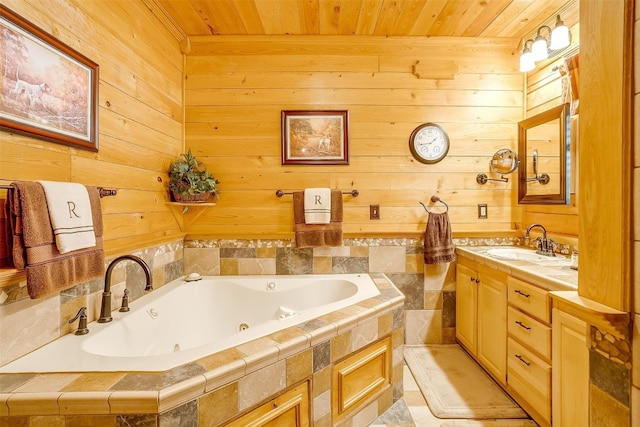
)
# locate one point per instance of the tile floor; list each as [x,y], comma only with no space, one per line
[412,411]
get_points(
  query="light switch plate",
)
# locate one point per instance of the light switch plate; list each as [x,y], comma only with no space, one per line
[482,211]
[374,211]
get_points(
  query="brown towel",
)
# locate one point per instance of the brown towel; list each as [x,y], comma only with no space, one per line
[438,245]
[312,235]
[34,248]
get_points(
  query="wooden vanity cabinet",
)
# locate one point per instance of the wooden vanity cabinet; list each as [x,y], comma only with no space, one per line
[570,383]
[481,316]
[529,348]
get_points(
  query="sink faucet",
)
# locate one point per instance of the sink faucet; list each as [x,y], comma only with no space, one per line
[105,308]
[545,246]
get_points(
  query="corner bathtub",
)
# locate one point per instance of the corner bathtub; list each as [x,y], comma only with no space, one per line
[186,320]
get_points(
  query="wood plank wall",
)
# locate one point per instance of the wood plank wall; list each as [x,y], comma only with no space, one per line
[140,117]
[544,91]
[236,87]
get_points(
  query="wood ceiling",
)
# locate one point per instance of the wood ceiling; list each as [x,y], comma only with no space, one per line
[466,18]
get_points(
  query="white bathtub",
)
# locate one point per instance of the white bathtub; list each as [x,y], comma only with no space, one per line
[186,320]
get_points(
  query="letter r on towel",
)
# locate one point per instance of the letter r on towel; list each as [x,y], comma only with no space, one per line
[318,200]
[72,210]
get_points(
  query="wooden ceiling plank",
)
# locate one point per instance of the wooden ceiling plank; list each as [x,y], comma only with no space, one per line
[452,13]
[309,17]
[349,15]
[186,16]
[531,18]
[512,15]
[206,15]
[250,16]
[407,18]
[485,17]
[270,16]
[226,17]
[290,16]
[427,17]
[389,14]
[369,13]
[329,16]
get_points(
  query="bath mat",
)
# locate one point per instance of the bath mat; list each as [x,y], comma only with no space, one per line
[489,423]
[454,386]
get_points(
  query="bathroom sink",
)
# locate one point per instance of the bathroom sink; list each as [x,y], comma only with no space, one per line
[520,254]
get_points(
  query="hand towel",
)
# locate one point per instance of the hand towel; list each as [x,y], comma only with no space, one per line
[317,206]
[70,214]
[438,244]
[34,248]
[314,235]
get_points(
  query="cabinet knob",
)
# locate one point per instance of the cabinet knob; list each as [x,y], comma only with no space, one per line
[518,291]
[477,281]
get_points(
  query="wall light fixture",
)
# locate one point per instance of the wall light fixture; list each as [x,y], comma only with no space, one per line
[538,49]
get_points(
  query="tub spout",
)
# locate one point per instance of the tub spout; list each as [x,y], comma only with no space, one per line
[105,308]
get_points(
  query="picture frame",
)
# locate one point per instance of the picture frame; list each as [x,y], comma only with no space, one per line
[315,137]
[49,90]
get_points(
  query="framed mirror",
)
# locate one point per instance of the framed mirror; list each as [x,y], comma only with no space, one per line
[543,148]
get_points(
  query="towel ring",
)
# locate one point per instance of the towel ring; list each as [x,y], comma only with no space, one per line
[435,199]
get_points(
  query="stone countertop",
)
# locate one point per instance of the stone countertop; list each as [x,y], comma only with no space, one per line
[553,275]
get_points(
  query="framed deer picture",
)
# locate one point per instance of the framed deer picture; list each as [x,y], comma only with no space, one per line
[48,89]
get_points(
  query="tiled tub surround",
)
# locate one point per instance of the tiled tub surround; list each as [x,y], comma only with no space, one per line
[197,317]
[429,289]
[223,385]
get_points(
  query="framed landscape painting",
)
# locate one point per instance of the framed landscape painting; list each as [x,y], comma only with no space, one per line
[48,89]
[315,137]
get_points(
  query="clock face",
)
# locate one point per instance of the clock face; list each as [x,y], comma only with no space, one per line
[429,143]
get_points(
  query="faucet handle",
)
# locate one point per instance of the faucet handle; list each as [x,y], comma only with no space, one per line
[124,307]
[82,324]
[540,243]
[551,247]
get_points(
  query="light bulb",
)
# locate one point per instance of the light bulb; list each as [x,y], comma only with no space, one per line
[539,49]
[526,61]
[560,37]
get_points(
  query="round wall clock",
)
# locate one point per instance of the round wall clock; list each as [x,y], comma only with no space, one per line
[429,143]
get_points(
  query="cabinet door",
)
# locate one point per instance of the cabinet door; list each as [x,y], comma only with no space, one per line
[492,326]
[570,371]
[466,307]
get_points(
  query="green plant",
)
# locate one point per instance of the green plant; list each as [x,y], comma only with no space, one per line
[188,176]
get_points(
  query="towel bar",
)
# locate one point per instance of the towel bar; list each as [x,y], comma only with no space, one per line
[354,193]
[104,192]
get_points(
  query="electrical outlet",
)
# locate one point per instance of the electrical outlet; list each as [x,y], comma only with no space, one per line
[482,211]
[374,211]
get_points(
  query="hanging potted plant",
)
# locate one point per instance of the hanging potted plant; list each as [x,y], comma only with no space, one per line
[190,181]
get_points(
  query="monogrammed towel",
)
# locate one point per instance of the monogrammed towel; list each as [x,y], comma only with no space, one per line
[70,214]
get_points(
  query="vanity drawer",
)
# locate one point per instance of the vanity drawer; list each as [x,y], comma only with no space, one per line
[530,298]
[530,378]
[530,332]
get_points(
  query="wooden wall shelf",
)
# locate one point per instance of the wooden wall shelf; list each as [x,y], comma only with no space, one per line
[180,211]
